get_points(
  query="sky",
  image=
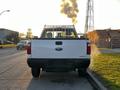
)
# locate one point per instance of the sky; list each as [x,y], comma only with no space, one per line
[34,14]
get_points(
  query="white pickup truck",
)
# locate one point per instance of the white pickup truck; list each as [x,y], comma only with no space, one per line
[59,49]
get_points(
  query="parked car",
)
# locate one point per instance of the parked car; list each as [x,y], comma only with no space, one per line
[22,45]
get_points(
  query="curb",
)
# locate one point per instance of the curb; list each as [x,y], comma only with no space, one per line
[96,81]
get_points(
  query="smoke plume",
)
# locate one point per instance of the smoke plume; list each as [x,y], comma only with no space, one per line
[70,9]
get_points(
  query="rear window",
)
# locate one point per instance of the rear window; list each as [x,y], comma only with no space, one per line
[59,33]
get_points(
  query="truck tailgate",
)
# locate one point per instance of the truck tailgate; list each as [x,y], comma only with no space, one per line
[59,48]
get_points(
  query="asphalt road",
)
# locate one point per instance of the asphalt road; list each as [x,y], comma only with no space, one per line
[7,51]
[16,75]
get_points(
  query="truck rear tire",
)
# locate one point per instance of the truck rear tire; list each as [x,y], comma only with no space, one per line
[17,48]
[35,72]
[82,72]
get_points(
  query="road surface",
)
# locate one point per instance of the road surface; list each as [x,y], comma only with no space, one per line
[16,75]
[7,51]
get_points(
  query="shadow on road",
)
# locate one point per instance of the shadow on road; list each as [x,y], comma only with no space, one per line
[59,81]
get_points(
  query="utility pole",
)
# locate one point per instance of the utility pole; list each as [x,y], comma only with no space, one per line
[89,23]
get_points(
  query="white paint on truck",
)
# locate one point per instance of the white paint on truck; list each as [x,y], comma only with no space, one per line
[70,49]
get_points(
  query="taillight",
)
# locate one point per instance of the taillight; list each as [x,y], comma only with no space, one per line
[29,49]
[88,49]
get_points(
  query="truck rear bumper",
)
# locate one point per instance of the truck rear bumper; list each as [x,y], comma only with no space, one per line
[58,63]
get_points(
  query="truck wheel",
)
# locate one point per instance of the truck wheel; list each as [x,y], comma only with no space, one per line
[82,72]
[35,72]
[17,48]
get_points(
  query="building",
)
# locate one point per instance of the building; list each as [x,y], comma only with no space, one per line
[29,34]
[9,35]
[115,38]
[106,38]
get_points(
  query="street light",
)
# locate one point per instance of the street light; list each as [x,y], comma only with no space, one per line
[4,11]
[1,14]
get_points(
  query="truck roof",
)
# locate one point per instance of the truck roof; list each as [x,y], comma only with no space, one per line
[58,26]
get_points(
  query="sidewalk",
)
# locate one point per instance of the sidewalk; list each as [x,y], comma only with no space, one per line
[96,50]
[107,50]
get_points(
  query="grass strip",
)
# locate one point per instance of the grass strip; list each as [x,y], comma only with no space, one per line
[8,46]
[107,68]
